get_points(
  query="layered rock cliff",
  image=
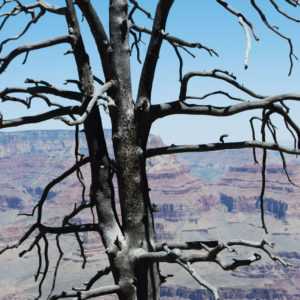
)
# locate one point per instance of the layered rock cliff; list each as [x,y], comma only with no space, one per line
[221,202]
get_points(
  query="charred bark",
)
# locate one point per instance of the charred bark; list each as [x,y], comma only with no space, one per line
[129,239]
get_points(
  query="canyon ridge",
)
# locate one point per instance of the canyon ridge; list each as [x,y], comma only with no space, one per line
[198,196]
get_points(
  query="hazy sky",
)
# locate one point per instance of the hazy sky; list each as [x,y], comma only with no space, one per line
[196,21]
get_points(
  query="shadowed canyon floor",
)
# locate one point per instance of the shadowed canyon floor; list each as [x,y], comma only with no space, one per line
[199,196]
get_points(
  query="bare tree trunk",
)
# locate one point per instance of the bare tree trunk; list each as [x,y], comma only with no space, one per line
[133,252]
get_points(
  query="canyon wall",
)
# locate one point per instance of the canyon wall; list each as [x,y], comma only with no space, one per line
[196,196]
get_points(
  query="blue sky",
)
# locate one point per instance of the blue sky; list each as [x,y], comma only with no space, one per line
[196,21]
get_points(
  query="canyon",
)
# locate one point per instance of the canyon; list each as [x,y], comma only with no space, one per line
[197,196]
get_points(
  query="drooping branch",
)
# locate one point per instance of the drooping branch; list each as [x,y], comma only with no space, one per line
[46,267]
[272,28]
[266,121]
[135,44]
[78,157]
[245,23]
[82,253]
[248,39]
[43,231]
[239,15]
[283,12]
[6,60]
[263,172]
[57,265]
[219,146]
[187,266]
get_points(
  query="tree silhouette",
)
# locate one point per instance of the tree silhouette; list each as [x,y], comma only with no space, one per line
[132,250]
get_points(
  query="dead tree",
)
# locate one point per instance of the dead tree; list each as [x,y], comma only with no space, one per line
[133,253]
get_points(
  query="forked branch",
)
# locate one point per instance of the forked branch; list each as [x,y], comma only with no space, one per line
[90,105]
[177,253]
[272,28]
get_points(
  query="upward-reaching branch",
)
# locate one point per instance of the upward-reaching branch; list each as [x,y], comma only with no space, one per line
[99,34]
[159,24]
[101,193]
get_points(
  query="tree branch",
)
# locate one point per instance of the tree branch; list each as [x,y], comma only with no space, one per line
[43,5]
[5,61]
[91,104]
[248,40]
[69,110]
[210,254]
[283,13]
[57,265]
[239,15]
[112,289]
[180,107]
[52,90]
[265,21]
[99,34]
[218,74]
[99,274]
[219,146]
[146,80]
[136,6]
[194,245]
[187,266]
[174,40]
[235,263]
[32,21]
[215,93]
[68,229]
[212,250]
